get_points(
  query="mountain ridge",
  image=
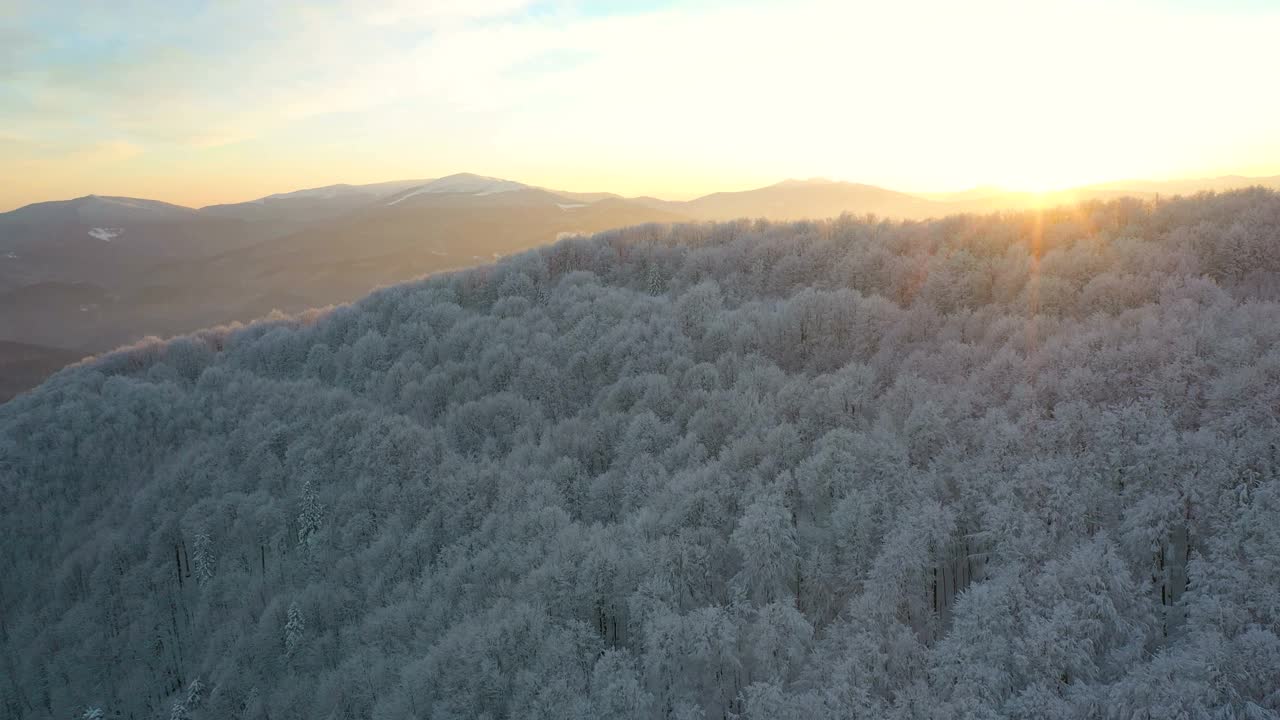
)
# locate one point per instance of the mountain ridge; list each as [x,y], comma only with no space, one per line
[95,272]
[387,188]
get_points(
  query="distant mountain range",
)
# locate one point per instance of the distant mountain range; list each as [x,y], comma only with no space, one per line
[85,275]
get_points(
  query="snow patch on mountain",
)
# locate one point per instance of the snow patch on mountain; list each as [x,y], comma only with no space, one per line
[105,234]
[341,190]
[464,184]
[322,193]
[135,203]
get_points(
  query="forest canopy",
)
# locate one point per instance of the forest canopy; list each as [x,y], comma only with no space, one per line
[1002,466]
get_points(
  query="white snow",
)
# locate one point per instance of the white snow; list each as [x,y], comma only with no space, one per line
[329,192]
[325,193]
[570,206]
[134,205]
[125,202]
[105,234]
[463,184]
[402,198]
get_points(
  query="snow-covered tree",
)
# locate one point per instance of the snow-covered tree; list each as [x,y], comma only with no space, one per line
[310,516]
[294,631]
[202,557]
[765,539]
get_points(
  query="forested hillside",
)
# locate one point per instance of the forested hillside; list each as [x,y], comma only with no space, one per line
[1020,466]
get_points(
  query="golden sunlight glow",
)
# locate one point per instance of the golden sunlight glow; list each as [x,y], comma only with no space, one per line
[668,99]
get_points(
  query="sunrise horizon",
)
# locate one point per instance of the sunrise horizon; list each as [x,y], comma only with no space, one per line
[208,104]
[1267,179]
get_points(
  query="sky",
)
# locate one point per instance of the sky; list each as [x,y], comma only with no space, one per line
[205,102]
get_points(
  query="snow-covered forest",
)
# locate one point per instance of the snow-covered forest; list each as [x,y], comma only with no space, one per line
[1020,466]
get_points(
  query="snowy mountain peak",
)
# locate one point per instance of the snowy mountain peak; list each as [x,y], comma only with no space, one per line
[463,184]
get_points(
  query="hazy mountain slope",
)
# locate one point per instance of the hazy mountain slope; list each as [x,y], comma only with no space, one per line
[85,273]
[24,366]
[111,270]
[800,199]
[300,207]
[412,234]
[994,199]
[1184,187]
[107,240]
[97,210]
[978,467]
[158,275]
[585,197]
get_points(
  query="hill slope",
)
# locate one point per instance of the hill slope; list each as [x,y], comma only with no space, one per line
[301,207]
[108,240]
[801,199]
[156,269]
[397,239]
[24,366]
[1020,467]
[161,269]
